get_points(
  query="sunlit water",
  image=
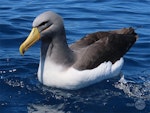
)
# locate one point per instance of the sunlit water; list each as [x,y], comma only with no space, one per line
[21,92]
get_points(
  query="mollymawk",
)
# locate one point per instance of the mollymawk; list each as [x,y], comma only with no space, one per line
[93,58]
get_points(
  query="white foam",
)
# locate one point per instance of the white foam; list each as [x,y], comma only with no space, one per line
[45,108]
[140,92]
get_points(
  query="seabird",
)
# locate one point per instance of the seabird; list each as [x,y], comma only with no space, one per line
[93,58]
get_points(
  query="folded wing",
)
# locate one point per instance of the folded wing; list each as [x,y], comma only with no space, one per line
[99,47]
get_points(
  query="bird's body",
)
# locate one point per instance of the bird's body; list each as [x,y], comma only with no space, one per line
[95,57]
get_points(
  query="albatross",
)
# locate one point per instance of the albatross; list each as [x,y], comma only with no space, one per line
[93,58]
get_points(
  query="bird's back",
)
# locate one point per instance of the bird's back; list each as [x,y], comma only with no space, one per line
[96,48]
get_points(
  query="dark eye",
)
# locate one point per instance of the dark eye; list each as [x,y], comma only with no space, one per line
[43,23]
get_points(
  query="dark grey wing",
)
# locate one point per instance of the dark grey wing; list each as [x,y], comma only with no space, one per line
[99,47]
[93,37]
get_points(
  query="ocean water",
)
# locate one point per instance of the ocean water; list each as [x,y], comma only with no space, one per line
[21,92]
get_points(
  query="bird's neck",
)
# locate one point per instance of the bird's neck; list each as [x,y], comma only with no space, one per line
[57,51]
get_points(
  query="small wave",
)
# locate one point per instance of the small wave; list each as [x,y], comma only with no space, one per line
[45,109]
[15,83]
[140,92]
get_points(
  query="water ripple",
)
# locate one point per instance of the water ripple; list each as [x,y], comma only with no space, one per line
[19,87]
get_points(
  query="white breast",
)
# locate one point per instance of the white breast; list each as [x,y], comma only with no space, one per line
[57,76]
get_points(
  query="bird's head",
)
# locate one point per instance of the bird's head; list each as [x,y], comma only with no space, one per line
[45,27]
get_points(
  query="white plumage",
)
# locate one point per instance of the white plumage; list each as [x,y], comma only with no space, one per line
[57,76]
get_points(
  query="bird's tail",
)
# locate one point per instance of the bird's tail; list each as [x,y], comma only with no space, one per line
[127,31]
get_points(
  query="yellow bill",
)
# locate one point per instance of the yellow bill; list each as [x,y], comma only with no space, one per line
[32,38]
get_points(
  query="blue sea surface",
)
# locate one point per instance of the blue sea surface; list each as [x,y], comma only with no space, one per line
[21,92]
